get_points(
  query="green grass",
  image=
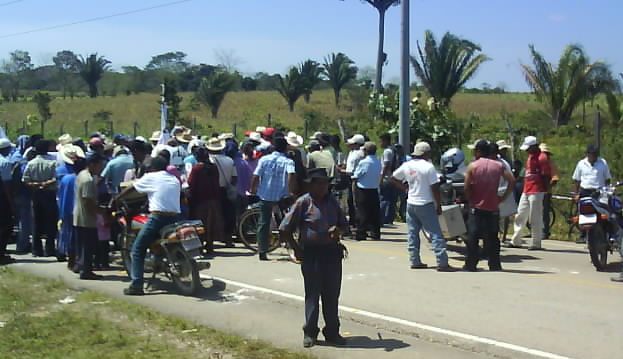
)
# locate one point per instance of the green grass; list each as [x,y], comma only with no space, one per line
[96,326]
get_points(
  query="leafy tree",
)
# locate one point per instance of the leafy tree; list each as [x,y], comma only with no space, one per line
[66,63]
[213,89]
[16,67]
[563,88]
[43,99]
[339,70]
[381,6]
[91,70]
[445,67]
[248,83]
[310,72]
[135,79]
[172,100]
[103,117]
[292,87]
[170,61]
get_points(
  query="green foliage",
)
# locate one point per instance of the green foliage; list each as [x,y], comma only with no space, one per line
[169,62]
[292,86]
[310,72]
[103,119]
[339,69]
[172,100]
[443,69]
[16,68]
[574,80]
[213,89]
[43,99]
[91,71]
[66,64]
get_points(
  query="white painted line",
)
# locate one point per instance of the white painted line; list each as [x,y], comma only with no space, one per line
[407,323]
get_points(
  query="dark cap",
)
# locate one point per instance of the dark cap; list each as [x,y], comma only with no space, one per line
[592,149]
[317,174]
[483,146]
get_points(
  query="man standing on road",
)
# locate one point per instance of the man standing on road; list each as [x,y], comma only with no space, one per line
[227,179]
[537,178]
[273,180]
[482,180]
[318,218]
[367,177]
[388,192]
[590,174]
[423,205]
[85,214]
[6,203]
[354,156]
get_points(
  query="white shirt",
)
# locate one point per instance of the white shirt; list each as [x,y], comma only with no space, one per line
[421,175]
[163,191]
[592,176]
[353,159]
[178,153]
[226,169]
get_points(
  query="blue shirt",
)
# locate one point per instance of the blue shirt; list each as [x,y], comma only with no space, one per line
[273,171]
[115,170]
[368,173]
[66,194]
[64,170]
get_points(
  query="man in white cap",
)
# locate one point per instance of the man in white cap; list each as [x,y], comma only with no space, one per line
[6,219]
[536,182]
[419,178]
[354,156]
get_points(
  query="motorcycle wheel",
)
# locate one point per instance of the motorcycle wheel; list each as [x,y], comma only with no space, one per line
[598,247]
[184,271]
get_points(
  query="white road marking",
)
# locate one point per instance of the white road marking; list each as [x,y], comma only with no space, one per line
[574,272]
[407,323]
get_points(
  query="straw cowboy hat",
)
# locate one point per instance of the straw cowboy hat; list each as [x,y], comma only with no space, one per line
[226,136]
[184,137]
[155,136]
[70,153]
[502,145]
[65,139]
[294,140]
[544,148]
[215,145]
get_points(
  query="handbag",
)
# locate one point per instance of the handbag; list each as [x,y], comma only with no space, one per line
[231,192]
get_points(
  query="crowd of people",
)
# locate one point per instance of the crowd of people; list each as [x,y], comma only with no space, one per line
[60,192]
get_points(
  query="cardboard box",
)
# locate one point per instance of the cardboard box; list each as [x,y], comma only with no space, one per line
[452,222]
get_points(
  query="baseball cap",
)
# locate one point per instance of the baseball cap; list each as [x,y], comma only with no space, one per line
[356,139]
[528,142]
[421,148]
[5,143]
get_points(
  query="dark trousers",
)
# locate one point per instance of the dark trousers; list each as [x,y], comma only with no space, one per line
[102,250]
[547,203]
[6,229]
[322,274]
[87,243]
[263,225]
[388,199]
[229,216]
[483,225]
[45,213]
[368,213]
[352,212]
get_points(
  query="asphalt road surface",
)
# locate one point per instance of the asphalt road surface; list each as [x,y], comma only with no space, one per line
[545,304]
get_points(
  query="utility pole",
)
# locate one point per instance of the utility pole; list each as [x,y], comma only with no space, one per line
[404,132]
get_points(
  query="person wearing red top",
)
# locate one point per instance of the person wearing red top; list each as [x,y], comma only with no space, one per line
[482,180]
[204,198]
[536,183]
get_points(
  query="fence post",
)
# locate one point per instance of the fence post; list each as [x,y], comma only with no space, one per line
[306,128]
[135,128]
[86,129]
[6,128]
[61,131]
[195,124]
[24,129]
[598,129]
[270,118]
[234,129]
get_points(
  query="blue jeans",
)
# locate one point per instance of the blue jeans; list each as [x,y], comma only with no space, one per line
[389,197]
[23,204]
[425,216]
[263,225]
[148,235]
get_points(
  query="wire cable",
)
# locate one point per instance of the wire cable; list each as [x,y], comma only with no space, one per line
[98,18]
[10,2]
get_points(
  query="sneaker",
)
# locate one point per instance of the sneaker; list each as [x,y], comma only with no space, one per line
[133,291]
[617,279]
[419,266]
[308,341]
[446,268]
[336,340]
[90,276]
[263,257]
[510,245]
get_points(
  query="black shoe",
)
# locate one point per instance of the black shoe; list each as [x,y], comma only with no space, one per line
[580,240]
[470,269]
[75,269]
[495,269]
[90,276]
[263,257]
[308,341]
[61,259]
[447,268]
[419,266]
[336,340]
[37,255]
[133,291]
[230,245]
[6,260]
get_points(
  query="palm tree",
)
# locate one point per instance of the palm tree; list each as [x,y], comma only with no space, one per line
[310,72]
[563,88]
[292,87]
[339,70]
[212,90]
[443,69]
[91,71]
[381,6]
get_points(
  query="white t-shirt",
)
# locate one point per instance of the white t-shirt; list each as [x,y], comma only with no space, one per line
[592,176]
[420,175]
[178,153]
[226,169]
[353,159]
[163,191]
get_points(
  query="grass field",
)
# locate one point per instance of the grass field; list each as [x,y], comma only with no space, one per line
[33,324]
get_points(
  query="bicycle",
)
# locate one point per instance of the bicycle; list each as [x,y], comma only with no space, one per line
[250,218]
[570,214]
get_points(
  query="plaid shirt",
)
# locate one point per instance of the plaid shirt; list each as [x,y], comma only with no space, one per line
[273,171]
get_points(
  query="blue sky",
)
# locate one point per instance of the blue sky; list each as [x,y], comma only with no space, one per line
[270,35]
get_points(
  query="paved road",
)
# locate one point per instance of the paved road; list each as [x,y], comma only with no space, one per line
[549,304]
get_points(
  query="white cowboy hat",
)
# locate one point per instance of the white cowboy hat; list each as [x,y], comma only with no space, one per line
[294,140]
[215,145]
[255,136]
[226,136]
[502,145]
[70,153]
[316,135]
[155,136]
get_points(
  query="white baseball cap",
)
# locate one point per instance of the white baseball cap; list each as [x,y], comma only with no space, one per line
[528,142]
[356,139]
[421,148]
[5,143]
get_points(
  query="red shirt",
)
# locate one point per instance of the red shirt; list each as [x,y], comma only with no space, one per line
[484,180]
[203,184]
[538,168]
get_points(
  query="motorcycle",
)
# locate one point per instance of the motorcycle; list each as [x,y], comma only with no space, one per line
[177,254]
[601,217]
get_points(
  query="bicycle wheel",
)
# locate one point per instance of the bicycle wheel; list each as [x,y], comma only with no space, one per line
[247,231]
[552,216]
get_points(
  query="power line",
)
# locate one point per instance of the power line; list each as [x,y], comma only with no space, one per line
[98,18]
[10,2]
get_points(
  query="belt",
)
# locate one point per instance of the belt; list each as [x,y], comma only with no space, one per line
[164,214]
